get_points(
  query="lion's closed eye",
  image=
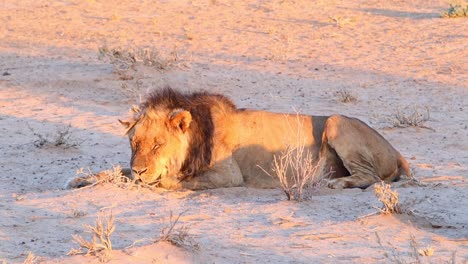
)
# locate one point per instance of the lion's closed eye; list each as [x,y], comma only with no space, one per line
[156,146]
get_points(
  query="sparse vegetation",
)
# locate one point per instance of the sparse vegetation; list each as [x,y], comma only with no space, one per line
[298,177]
[415,252]
[63,138]
[77,213]
[125,59]
[100,245]
[133,90]
[30,259]
[345,96]
[411,117]
[456,10]
[177,236]
[388,197]
[426,251]
[341,21]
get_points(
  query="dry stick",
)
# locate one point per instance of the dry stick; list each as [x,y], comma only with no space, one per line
[171,226]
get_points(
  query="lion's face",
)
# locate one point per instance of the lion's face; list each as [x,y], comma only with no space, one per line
[159,143]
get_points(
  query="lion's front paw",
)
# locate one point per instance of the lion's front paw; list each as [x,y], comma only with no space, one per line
[78,182]
[337,184]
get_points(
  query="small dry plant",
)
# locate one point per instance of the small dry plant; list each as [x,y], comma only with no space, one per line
[30,259]
[456,10]
[388,197]
[345,96]
[100,245]
[133,90]
[342,21]
[298,176]
[63,138]
[411,117]
[416,251]
[177,236]
[125,59]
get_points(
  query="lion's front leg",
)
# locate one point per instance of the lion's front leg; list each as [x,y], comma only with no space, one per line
[90,179]
[225,173]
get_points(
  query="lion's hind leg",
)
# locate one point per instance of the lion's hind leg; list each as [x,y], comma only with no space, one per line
[355,144]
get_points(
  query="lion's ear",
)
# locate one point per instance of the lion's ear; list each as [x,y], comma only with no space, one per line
[181,119]
[126,124]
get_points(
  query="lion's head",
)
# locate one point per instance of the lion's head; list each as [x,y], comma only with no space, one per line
[171,136]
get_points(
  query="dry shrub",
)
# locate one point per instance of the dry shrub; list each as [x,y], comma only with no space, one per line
[388,197]
[342,21]
[298,176]
[345,96]
[177,236]
[396,256]
[126,58]
[294,167]
[416,251]
[30,259]
[426,251]
[100,245]
[456,10]
[411,117]
[63,138]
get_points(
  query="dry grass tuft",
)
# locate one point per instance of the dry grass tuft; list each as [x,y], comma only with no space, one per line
[63,138]
[100,245]
[456,10]
[30,259]
[298,177]
[342,21]
[395,256]
[125,59]
[411,117]
[294,168]
[426,251]
[388,197]
[177,236]
[345,96]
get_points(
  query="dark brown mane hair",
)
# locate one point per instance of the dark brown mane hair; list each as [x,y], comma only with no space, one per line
[200,105]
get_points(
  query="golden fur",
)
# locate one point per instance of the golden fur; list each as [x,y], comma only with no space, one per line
[201,140]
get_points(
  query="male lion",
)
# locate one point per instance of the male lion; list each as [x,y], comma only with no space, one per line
[201,140]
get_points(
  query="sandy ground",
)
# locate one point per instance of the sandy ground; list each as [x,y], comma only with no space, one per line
[275,55]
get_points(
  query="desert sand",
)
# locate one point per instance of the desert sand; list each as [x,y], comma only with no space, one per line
[283,56]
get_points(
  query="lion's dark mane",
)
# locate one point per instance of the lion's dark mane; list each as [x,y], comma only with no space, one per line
[200,105]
